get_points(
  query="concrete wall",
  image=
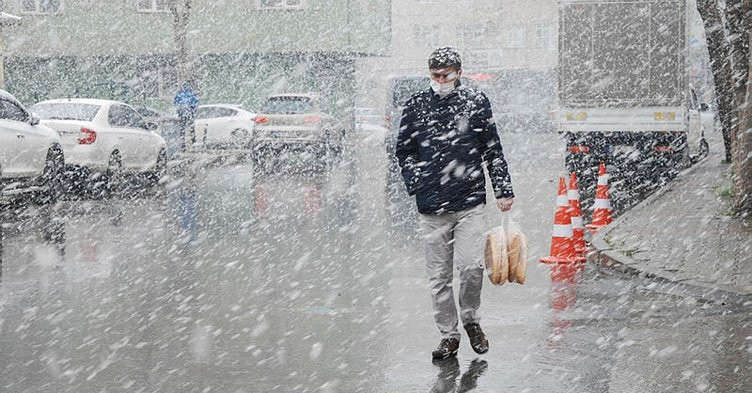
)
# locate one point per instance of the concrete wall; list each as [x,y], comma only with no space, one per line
[149,80]
[109,49]
[116,27]
[491,34]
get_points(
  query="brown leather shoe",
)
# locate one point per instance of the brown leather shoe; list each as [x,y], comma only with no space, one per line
[446,349]
[477,338]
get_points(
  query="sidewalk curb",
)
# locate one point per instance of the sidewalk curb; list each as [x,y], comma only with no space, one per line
[603,254]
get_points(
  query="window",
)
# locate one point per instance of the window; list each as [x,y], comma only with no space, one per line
[227,112]
[116,117]
[10,111]
[544,35]
[133,118]
[288,105]
[126,117]
[516,36]
[205,113]
[41,6]
[280,4]
[152,6]
[476,59]
[427,35]
[213,112]
[473,36]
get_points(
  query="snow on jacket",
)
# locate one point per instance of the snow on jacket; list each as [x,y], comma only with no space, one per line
[442,145]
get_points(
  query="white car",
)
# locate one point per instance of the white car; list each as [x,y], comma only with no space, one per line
[365,115]
[224,126]
[298,121]
[104,137]
[31,154]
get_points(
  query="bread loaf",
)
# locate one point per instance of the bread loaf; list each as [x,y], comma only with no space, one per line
[496,258]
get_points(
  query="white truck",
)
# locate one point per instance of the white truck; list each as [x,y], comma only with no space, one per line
[624,97]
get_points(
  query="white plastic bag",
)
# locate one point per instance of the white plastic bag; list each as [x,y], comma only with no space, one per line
[517,251]
[505,253]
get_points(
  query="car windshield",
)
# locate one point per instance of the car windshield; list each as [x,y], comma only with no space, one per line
[288,105]
[66,111]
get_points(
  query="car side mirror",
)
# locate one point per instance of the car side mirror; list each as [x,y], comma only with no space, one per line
[152,126]
[704,107]
[33,120]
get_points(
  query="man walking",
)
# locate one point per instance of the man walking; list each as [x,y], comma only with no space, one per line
[447,133]
[186,103]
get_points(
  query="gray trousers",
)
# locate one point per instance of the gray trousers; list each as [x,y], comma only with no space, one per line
[454,239]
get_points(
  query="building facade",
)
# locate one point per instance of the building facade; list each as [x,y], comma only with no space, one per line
[239,50]
[510,44]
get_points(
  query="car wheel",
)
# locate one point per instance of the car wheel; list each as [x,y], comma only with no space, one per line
[255,152]
[51,179]
[239,138]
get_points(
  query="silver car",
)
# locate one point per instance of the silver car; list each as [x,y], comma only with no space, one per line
[297,122]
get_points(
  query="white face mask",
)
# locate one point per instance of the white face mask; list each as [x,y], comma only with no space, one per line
[442,89]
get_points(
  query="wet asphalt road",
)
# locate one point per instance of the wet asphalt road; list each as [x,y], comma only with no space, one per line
[242,279]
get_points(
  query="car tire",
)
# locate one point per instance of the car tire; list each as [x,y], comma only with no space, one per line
[256,153]
[51,179]
[239,139]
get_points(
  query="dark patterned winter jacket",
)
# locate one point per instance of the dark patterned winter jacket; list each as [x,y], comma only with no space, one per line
[442,145]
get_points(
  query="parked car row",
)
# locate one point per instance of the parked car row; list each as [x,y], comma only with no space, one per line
[295,122]
[93,142]
[54,141]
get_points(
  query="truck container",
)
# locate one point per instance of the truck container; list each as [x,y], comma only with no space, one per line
[623,93]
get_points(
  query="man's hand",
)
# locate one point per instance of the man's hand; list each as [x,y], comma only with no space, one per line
[504,204]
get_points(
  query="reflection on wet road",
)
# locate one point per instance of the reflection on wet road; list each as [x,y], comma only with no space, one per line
[237,278]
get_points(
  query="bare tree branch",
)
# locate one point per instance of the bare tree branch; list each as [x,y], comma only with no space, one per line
[739,17]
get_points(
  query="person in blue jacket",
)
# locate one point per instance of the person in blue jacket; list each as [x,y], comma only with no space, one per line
[447,136]
[186,102]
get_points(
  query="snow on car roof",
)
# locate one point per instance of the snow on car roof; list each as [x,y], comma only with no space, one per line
[308,95]
[6,95]
[233,106]
[93,101]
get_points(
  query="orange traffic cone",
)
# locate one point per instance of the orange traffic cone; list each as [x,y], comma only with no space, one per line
[578,230]
[602,206]
[562,246]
